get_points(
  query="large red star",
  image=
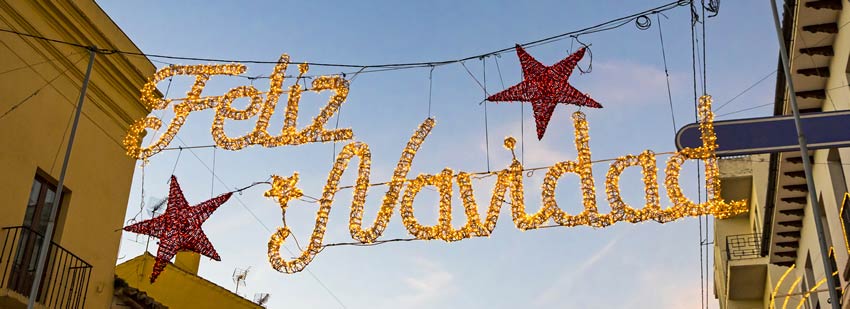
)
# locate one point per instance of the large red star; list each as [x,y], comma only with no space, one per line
[545,87]
[179,228]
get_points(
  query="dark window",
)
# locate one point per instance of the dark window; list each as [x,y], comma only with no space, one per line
[834,277]
[809,281]
[39,207]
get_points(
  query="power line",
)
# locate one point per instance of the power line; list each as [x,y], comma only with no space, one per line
[763,105]
[744,110]
[745,91]
[66,100]
[704,92]
[37,91]
[694,53]
[44,38]
[704,57]
[245,206]
[794,57]
[666,74]
[612,24]
[30,65]
[604,26]
[266,227]
[607,25]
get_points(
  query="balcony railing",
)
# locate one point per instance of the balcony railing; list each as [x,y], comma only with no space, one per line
[743,246]
[65,279]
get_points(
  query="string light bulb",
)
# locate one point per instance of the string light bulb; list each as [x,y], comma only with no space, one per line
[262,109]
[508,180]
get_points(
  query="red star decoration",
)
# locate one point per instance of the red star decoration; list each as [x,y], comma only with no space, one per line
[179,228]
[545,87]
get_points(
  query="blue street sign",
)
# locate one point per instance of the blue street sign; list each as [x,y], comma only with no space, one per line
[772,134]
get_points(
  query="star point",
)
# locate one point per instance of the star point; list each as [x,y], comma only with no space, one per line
[545,87]
[284,189]
[179,228]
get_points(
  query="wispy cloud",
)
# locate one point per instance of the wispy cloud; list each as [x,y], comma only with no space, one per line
[535,153]
[431,284]
[680,291]
[627,82]
[573,275]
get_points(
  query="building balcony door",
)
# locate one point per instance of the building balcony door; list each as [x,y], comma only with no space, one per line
[30,240]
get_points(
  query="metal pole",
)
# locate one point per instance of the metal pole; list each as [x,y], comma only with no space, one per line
[48,237]
[807,165]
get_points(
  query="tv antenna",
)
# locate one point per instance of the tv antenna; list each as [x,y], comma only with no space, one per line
[239,276]
[261,299]
[155,207]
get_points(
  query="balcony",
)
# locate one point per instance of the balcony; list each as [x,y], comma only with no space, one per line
[746,268]
[65,279]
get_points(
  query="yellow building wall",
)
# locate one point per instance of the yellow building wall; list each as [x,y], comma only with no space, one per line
[33,136]
[829,189]
[827,177]
[177,288]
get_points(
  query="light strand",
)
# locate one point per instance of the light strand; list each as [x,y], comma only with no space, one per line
[603,26]
[258,106]
[509,180]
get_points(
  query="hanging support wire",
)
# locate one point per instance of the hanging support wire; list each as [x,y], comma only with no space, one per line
[704,59]
[37,91]
[603,26]
[590,58]
[693,21]
[705,92]
[174,169]
[521,113]
[339,109]
[430,88]
[212,179]
[486,121]
[666,73]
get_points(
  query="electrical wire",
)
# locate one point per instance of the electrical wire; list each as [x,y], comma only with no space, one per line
[430,89]
[666,74]
[704,57]
[774,71]
[521,115]
[30,65]
[704,92]
[604,26]
[62,141]
[745,91]
[694,20]
[266,227]
[612,24]
[486,121]
[744,110]
[814,65]
[37,91]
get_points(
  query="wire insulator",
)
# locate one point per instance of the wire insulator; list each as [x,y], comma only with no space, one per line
[643,22]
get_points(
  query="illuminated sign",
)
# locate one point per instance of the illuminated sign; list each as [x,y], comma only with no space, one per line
[402,189]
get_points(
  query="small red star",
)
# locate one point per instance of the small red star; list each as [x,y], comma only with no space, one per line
[545,87]
[179,228]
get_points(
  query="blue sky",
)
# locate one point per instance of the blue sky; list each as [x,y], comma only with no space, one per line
[647,265]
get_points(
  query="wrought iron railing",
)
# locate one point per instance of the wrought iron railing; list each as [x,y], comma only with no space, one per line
[66,276]
[743,246]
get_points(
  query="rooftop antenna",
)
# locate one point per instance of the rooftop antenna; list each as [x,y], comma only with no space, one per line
[261,299]
[239,276]
[155,207]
